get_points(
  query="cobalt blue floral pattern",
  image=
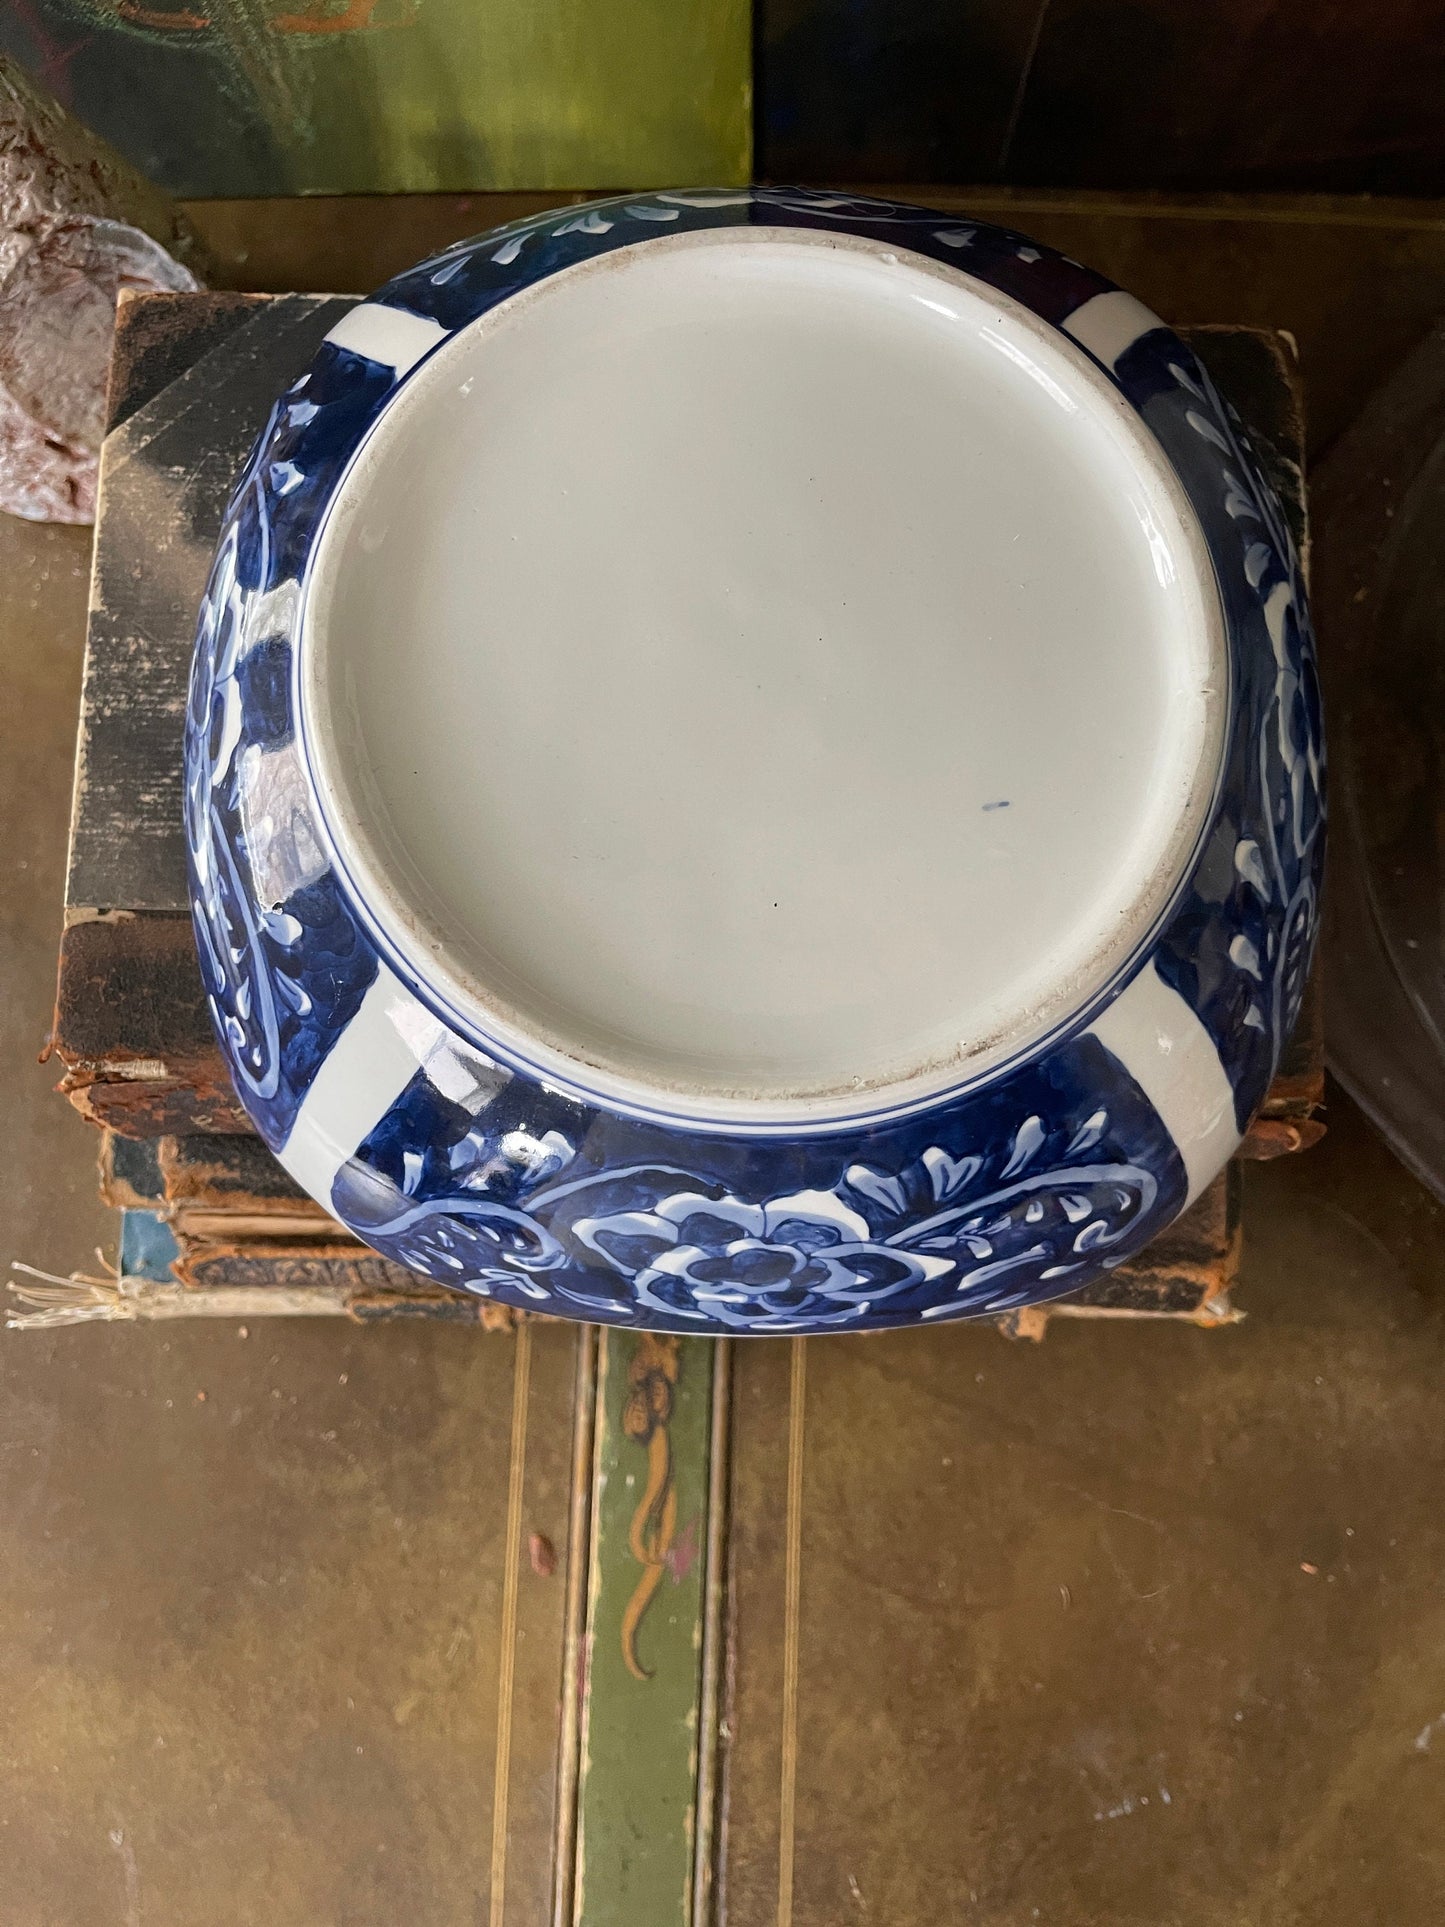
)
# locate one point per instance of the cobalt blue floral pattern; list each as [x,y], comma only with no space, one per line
[484,1177]
[1240,947]
[283,960]
[972,1209]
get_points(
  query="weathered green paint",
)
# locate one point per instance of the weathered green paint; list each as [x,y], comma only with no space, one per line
[637,1795]
[385,96]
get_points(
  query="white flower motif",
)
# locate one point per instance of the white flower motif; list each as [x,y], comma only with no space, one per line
[759,1265]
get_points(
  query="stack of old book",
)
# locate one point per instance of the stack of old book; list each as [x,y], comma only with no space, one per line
[207,1208]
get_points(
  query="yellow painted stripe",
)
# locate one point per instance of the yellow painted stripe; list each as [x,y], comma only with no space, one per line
[792,1591]
[516,1471]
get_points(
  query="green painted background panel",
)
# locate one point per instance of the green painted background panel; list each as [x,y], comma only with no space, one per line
[638,1785]
[238,97]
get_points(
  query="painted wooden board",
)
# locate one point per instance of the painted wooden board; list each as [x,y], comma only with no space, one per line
[384,96]
[646,1728]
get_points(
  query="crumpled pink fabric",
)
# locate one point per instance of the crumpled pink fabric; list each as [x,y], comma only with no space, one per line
[64,258]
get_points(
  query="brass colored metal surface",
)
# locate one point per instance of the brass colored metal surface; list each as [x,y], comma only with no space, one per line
[1125,1628]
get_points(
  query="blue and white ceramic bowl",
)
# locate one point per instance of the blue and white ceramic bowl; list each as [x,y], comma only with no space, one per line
[754,765]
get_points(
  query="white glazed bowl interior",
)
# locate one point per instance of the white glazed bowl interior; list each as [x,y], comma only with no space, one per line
[762,677]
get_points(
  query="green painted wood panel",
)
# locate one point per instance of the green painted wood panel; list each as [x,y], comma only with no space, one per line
[646,1700]
[238,97]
